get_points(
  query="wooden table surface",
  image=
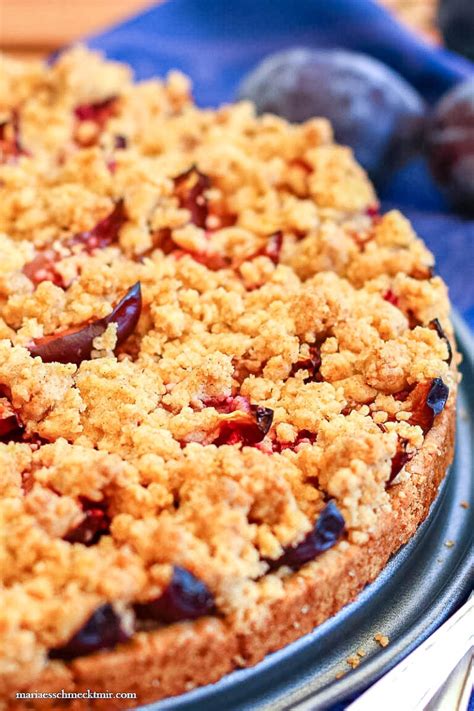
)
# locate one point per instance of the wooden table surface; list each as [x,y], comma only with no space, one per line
[32,28]
[35,28]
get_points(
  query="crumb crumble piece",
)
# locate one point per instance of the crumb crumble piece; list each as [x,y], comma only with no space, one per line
[353,661]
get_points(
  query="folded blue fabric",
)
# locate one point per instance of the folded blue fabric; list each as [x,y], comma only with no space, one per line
[217,43]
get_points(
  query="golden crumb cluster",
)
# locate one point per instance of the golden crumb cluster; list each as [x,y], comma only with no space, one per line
[271,288]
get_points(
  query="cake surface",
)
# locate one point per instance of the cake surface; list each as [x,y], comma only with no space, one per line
[227,385]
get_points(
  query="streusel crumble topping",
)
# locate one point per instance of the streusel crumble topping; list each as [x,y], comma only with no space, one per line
[217,356]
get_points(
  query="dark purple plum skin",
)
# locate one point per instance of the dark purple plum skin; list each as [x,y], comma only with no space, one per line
[450,145]
[371,107]
[11,148]
[94,525]
[428,400]
[190,187]
[185,598]
[437,396]
[75,345]
[9,421]
[436,325]
[263,418]
[103,630]
[399,460]
[102,235]
[327,530]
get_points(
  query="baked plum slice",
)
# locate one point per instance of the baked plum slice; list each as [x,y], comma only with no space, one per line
[435,324]
[391,297]
[105,233]
[273,247]
[10,139]
[120,142]
[103,630]
[185,598]
[428,400]
[303,437]
[94,525]
[312,364]
[9,423]
[211,260]
[327,530]
[12,428]
[190,187]
[247,424]
[42,268]
[399,460]
[247,428]
[75,344]
[98,112]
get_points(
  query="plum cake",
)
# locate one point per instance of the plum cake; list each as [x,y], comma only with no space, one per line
[227,383]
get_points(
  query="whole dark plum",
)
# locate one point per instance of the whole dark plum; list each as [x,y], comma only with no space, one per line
[372,108]
[456,20]
[450,145]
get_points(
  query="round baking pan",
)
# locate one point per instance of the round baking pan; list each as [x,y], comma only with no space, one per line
[419,588]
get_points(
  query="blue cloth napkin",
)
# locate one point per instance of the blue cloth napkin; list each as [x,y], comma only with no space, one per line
[217,43]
